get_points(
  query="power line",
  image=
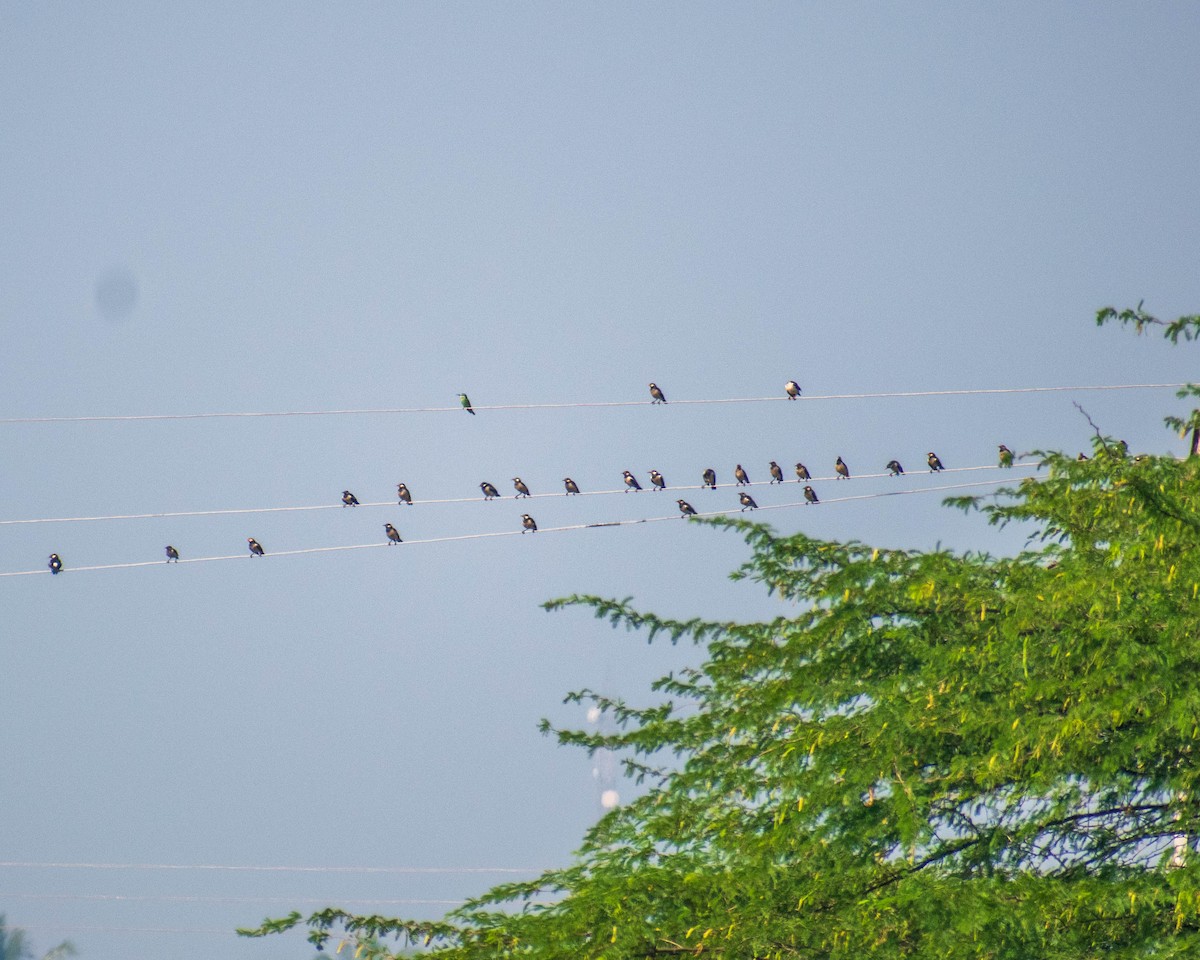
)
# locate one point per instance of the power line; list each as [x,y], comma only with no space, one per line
[506,533]
[394,503]
[185,898]
[256,868]
[581,405]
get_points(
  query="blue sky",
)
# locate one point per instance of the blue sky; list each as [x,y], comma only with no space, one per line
[322,207]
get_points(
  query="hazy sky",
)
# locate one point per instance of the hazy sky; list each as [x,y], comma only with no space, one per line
[287,206]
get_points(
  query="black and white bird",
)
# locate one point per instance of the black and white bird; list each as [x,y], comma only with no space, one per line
[802,473]
[631,482]
[776,473]
[894,468]
[349,499]
[489,491]
[747,501]
[403,494]
[571,485]
[743,478]
[710,478]
[657,481]
[792,389]
[393,534]
[657,394]
[256,549]
[528,523]
[686,508]
[934,463]
[55,564]
[172,554]
[811,495]
[519,486]
[843,471]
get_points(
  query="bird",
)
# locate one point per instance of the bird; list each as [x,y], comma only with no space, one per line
[571,485]
[393,534]
[55,564]
[349,499]
[657,394]
[1082,456]
[776,473]
[522,490]
[631,482]
[743,478]
[811,495]
[1006,456]
[710,478]
[528,523]
[686,508]
[489,492]
[934,463]
[747,501]
[792,389]
[843,471]
[466,402]
[656,479]
[256,549]
[172,554]
[802,473]
[894,468]
[403,494]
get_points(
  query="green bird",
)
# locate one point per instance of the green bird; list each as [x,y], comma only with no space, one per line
[466,402]
[1006,456]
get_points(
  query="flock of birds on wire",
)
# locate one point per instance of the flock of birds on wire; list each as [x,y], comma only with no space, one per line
[657,483]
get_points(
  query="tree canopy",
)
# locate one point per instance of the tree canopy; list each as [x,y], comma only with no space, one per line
[933,755]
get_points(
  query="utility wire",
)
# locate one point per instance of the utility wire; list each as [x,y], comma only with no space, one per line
[580,405]
[185,898]
[394,503]
[505,533]
[257,868]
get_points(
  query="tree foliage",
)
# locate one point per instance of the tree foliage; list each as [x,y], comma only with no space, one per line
[932,755]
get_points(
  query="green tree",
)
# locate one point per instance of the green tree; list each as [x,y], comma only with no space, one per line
[933,755]
[15,946]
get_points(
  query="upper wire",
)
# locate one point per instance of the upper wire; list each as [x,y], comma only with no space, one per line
[584,404]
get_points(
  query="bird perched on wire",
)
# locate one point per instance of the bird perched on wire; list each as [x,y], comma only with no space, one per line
[571,485]
[55,564]
[392,533]
[842,470]
[802,473]
[1006,456]
[747,501]
[489,491]
[894,468]
[657,481]
[519,485]
[172,554]
[686,509]
[810,495]
[657,394]
[776,473]
[631,482]
[528,523]
[256,549]
[349,499]
[403,495]
[466,403]
[743,478]
[934,463]
[710,479]
[792,389]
